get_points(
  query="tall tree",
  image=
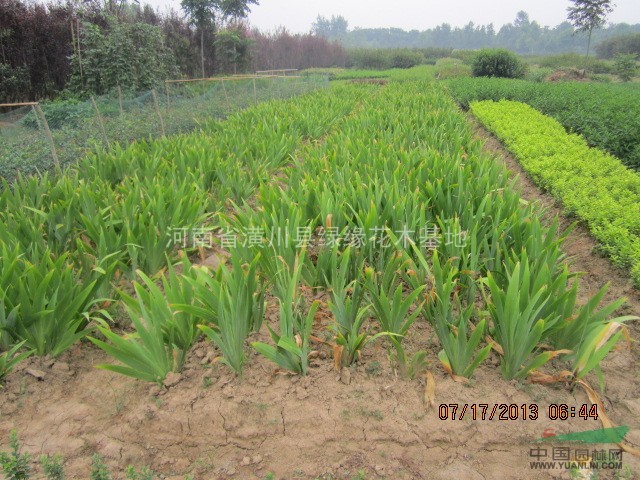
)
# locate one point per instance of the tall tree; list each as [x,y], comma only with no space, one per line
[333,27]
[205,14]
[588,15]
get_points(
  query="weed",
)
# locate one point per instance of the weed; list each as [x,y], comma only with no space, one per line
[374,369]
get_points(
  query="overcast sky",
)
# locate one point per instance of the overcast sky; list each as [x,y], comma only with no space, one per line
[298,15]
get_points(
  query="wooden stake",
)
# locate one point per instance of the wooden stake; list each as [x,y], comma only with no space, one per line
[100,121]
[47,130]
[120,100]
[155,104]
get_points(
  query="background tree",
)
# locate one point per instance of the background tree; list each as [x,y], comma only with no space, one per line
[234,48]
[334,27]
[587,15]
[209,14]
[130,55]
[625,66]
[627,44]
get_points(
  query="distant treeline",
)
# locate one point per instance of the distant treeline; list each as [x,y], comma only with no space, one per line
[93,47]
[626,44]
[522,36]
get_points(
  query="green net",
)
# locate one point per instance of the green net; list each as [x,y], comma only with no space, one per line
[121,117]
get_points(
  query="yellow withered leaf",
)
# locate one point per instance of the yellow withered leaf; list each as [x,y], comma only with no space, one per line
[604,419]
[607,333]
[604,335]
[429,391]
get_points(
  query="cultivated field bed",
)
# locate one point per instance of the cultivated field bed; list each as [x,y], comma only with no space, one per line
[361,258]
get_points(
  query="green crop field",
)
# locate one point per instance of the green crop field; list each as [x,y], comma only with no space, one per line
[420,222]
[370,205]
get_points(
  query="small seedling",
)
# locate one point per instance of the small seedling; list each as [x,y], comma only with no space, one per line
[52,466]
[99,469]
[361,475]
[145,473]
[15,465]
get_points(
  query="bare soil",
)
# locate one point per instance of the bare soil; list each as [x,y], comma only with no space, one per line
[213,425]
[371,81]
[567,74]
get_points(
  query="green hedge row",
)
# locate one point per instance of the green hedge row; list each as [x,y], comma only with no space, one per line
[591,184]
[608,116]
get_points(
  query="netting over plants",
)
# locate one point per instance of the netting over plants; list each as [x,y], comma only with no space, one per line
[120,118]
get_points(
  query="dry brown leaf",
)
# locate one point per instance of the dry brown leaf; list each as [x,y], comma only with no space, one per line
[456,378]
[319,340]
[606,423]
[337,357]
[459,379]
[494,345]
[539,377]
[555,353]
[626,335]
[429,391]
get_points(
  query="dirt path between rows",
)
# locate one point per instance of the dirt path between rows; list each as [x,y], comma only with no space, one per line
[269,425]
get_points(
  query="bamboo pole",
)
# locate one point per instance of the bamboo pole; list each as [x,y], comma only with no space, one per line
[35,114]
[100,121]
[219,79]
[47,130]
[73,37]
[79,50]
[155,104]
[20,104]
[166,92]
[255,92]
[226,96]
